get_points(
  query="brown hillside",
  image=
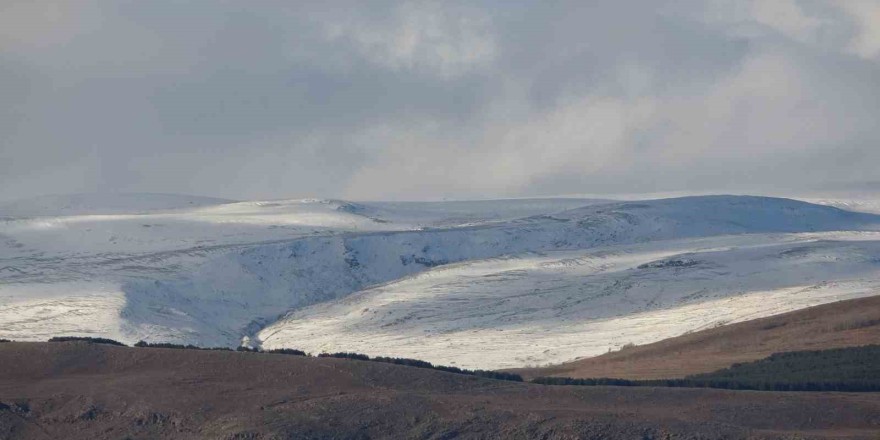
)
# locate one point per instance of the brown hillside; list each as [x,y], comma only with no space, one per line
[841,324]
[89,391]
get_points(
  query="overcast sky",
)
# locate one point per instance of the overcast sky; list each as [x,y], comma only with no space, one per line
[429,100]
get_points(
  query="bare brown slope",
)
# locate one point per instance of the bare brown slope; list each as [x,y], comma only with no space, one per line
[841,324]
[88,391]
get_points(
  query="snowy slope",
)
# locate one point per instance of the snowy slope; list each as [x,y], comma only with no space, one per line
[120,225]
[468,213]
[549,308]
[91,204]
[132,247]
[311,270]
[216,273]
[862,203]
[166,230]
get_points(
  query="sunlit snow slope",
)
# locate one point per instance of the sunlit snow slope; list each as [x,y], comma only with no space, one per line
[481,284]
[121,265]
[534,309]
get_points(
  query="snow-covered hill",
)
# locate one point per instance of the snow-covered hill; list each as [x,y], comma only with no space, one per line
[534,309]
[56,267]
[92,204]
[216,273]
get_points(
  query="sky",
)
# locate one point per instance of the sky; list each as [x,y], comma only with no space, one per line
[386,100]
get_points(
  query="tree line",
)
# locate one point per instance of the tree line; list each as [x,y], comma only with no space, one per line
[87,339]
[498,375]
[852,369]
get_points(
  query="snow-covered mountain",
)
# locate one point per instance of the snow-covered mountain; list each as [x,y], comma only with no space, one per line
[483,284]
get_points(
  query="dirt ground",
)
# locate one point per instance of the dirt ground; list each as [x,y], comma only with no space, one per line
[78,390]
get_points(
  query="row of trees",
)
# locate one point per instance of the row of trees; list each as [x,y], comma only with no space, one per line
[294,352]
[854,369]
[834,365]
[288,351]
[144,344]
[498,375]
[845,386]
[87,339]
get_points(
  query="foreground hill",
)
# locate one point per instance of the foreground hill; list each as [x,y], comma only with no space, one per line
[840,324]
[90,391]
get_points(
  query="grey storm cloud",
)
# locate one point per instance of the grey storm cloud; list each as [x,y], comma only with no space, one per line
[410,100]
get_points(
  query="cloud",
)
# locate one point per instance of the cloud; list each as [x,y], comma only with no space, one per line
[426,100]
[866,13]
[447,40]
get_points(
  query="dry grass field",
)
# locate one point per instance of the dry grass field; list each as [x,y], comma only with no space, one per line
[841,324]
[77,390]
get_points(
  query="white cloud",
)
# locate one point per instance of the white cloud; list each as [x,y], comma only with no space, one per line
[787,17]
[506,155]
[429,36]
[39,25]
[866,13]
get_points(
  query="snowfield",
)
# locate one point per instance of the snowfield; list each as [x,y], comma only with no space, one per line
[540,309]
[486,284]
